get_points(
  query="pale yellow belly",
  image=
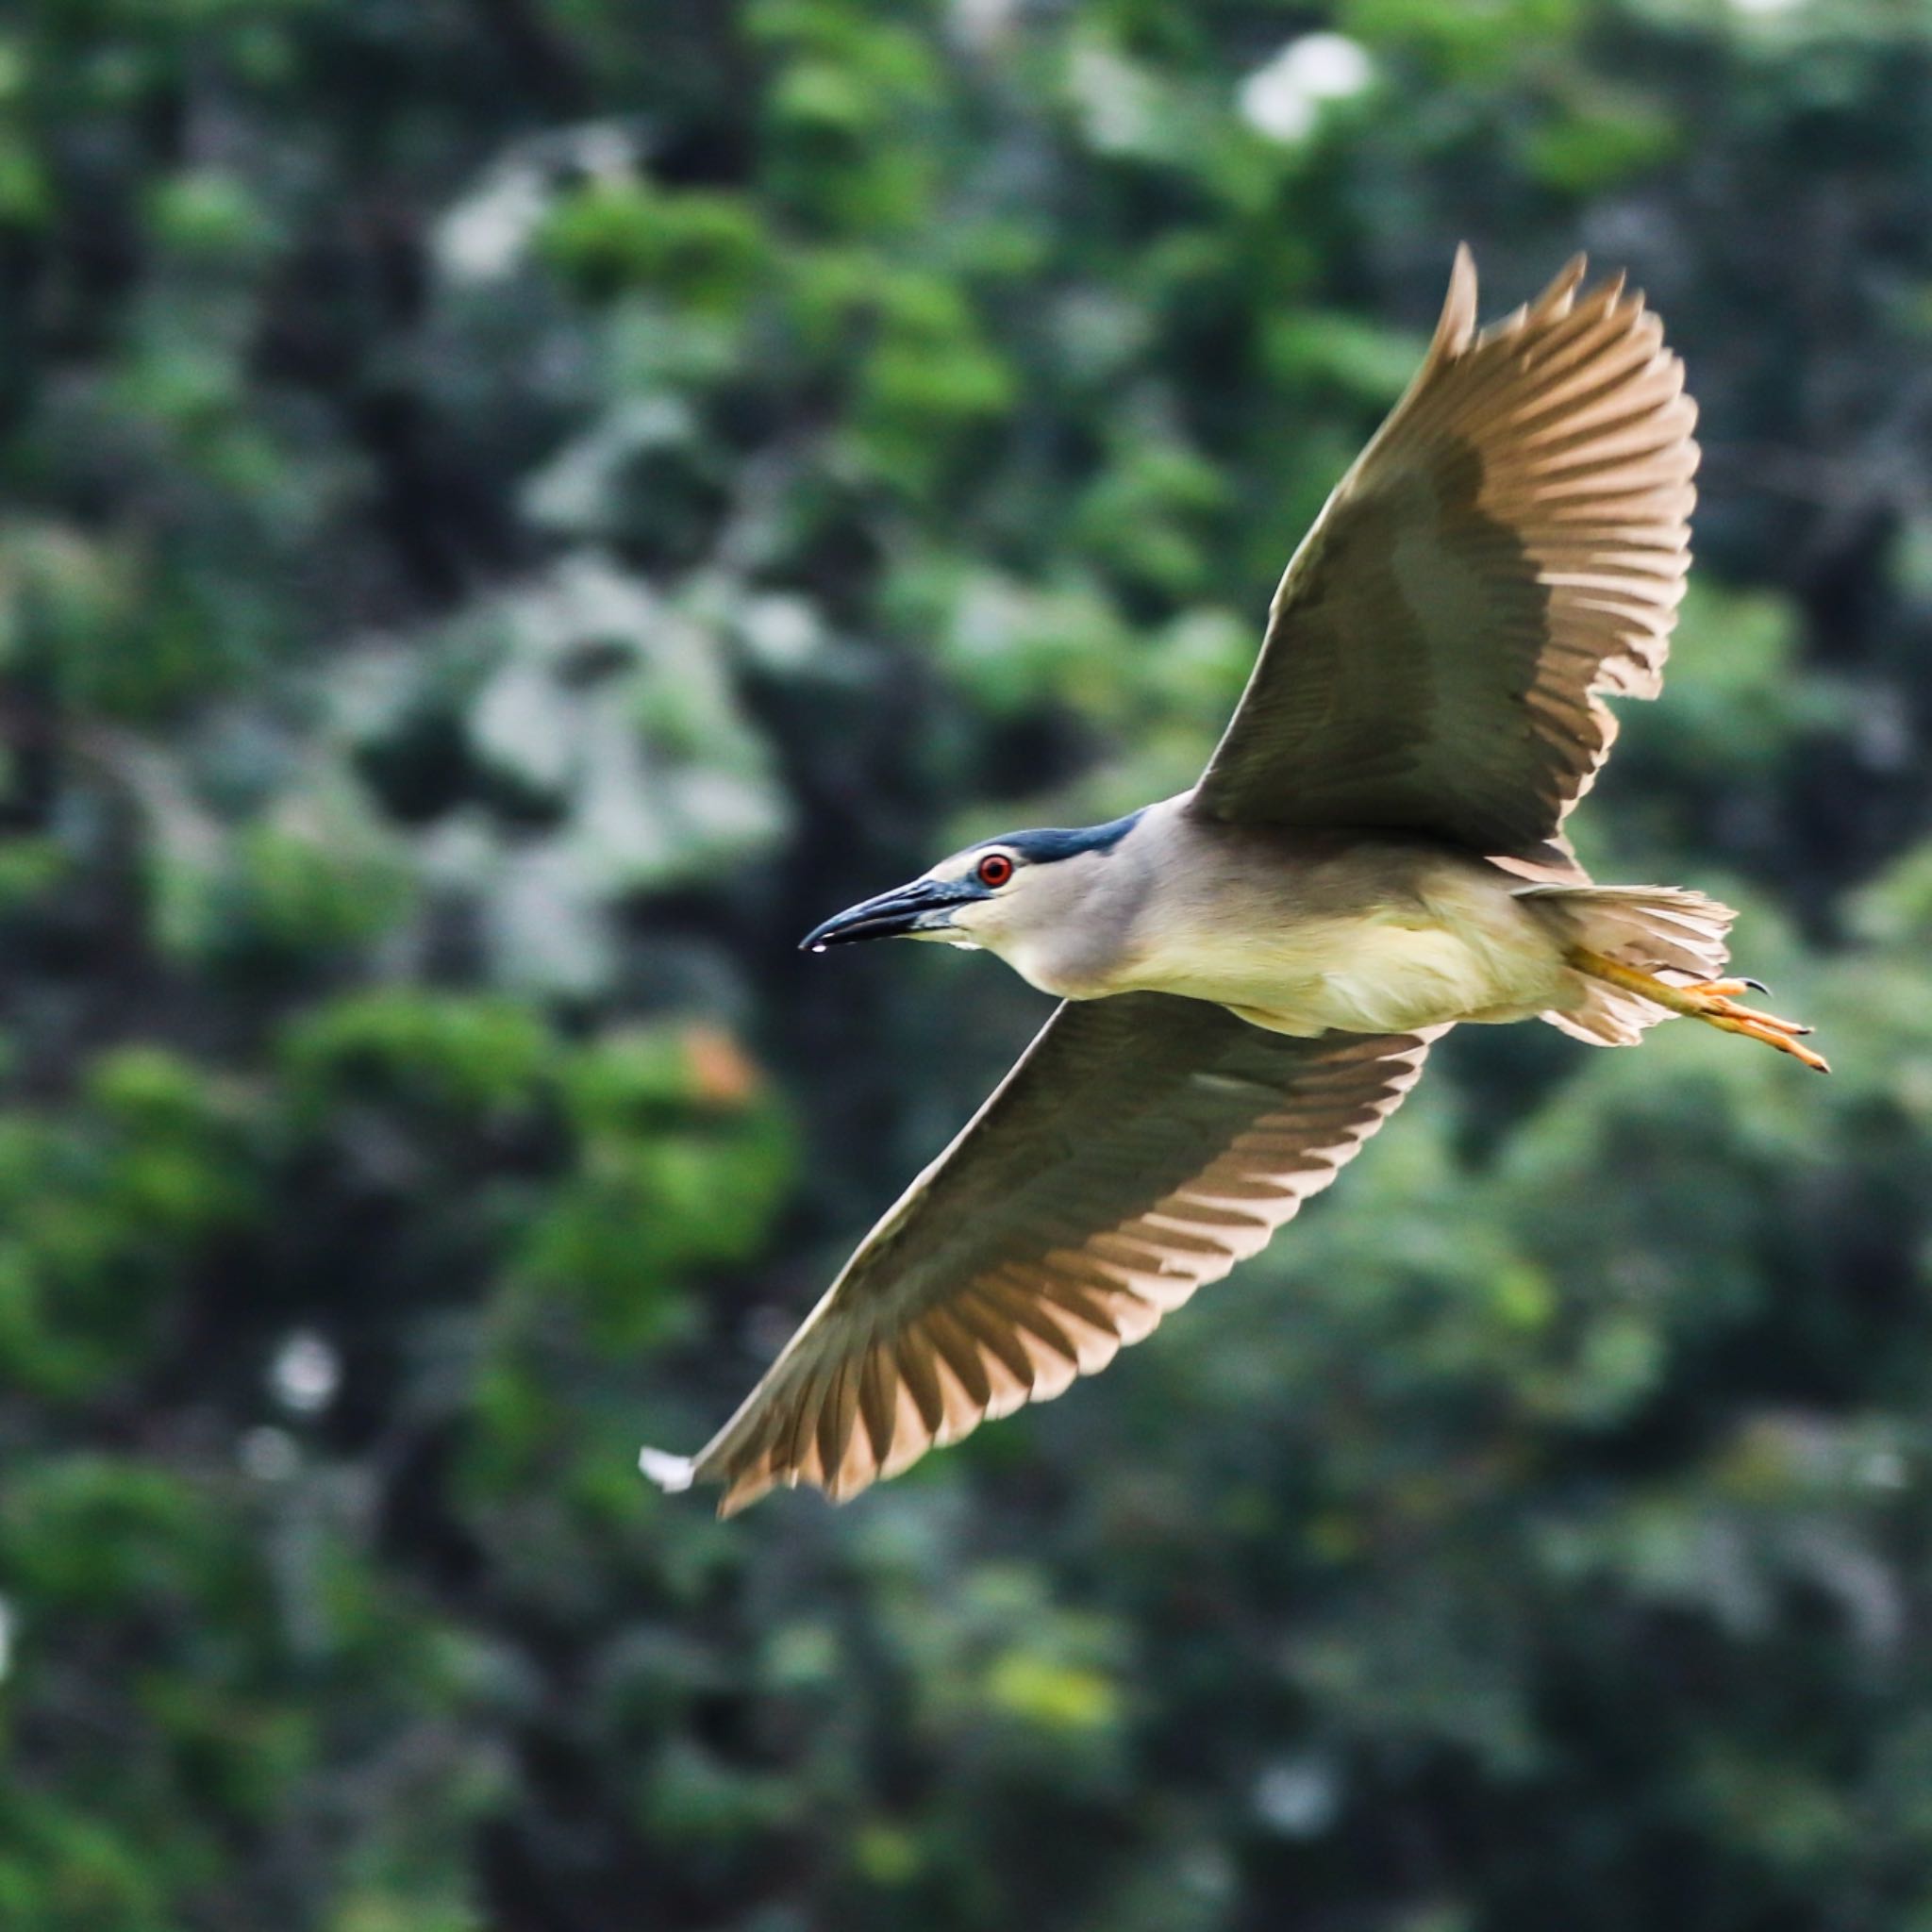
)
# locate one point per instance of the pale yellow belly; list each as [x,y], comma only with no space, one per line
[1378,976]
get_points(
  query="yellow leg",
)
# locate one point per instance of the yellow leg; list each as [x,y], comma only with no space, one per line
[1713,1001]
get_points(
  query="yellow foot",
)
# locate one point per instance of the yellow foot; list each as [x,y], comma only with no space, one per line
[1713,1001]
[1729,990]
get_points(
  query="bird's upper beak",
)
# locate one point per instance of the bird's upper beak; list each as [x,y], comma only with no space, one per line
[925,906]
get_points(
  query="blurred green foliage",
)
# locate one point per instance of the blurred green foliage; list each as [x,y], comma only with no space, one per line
[508,512]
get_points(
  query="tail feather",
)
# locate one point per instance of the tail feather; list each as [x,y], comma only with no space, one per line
[1660,929]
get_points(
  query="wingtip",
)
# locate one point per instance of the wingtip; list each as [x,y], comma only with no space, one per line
[1560,297]
[671,1473]
[1458,322]
[746,1489]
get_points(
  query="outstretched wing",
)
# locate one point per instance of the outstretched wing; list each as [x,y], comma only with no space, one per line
[1142,1146]
[1512,542]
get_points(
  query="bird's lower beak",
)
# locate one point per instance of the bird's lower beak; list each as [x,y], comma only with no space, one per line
[925,906]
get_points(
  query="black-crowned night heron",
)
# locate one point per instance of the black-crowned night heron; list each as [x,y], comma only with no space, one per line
[1252,973]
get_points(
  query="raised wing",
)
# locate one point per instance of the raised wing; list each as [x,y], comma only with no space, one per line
[1142,1146]
[1512,542]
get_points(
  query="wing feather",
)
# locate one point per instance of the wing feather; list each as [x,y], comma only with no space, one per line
[1141,1147]
[1512,545]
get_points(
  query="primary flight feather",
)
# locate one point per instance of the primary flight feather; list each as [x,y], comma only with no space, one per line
[1253,972]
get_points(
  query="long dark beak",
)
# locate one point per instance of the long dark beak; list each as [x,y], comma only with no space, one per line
[925,906]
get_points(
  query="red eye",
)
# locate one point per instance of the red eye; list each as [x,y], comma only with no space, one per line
[994,869]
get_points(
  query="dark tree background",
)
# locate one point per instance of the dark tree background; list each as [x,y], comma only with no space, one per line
[511,510]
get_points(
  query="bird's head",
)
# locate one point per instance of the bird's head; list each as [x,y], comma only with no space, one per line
[1012,895]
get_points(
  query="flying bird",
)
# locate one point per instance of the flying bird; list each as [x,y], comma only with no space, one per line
[1252,973]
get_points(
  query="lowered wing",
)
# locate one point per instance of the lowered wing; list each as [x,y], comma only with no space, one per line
[1141,1146]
